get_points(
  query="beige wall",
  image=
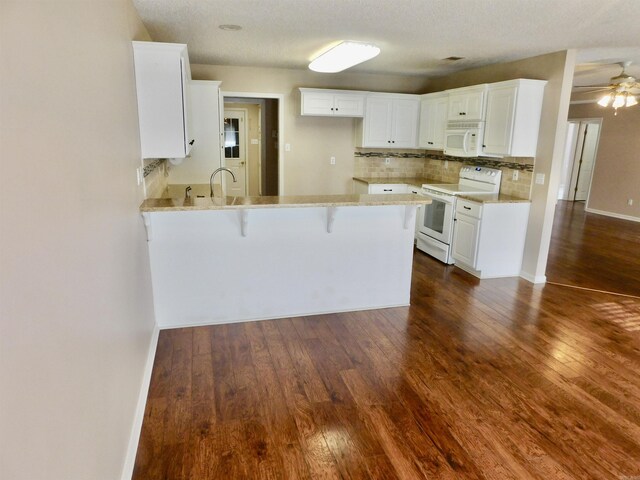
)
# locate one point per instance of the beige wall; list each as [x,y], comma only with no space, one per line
[76,309]
[616,176]
[314,140]
[557,69]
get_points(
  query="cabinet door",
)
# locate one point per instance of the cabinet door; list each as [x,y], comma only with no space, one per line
[346,105]
[465,239]
[317,103]
[457,106]
[186,104]
[473,106]
[433,122]
[498,132]
[162,82]
[404,126]
[377,122]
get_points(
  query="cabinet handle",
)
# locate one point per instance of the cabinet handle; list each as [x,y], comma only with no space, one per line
[387,189]
[332,109]
[484,146]
[191,142]
[388,141]
[336,109]
[393,141]
[466,208]
[430,143]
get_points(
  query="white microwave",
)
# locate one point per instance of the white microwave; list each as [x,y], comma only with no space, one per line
[463,139]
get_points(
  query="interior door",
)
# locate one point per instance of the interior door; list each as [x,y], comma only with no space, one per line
[584,160]
[235,152]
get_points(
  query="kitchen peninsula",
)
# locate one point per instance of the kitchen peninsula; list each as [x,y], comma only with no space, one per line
[229,259]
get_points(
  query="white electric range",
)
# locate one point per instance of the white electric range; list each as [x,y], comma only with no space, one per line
[435,231]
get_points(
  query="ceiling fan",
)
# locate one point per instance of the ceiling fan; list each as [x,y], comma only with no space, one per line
[621,91]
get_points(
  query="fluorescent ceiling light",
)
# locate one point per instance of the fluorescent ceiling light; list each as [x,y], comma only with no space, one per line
[342,56]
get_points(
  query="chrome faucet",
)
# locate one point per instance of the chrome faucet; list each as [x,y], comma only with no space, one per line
[214,174]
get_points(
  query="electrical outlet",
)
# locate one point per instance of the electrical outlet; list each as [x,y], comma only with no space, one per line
[630,202]
[516,175]
[333,160]
[387,161]
[287,147]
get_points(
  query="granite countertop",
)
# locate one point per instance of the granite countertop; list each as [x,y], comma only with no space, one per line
[493,198]
[294,201]
[415,181]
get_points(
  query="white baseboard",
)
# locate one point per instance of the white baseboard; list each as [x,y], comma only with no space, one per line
[205,322]
[612,214]
[533,278]
[130,459]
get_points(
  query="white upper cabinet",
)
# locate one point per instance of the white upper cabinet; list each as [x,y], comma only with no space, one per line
[513,117]
[162,86]
[390,121]
[467,103]
[433,120]
[336,103]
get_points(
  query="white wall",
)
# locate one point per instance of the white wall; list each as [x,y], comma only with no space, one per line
[76,309]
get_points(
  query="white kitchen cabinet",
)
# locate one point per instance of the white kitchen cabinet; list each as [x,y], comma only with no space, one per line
[513,117]
[467,103]
[163,76]
[488,239]
[433,120]
[332,103]
[390,121]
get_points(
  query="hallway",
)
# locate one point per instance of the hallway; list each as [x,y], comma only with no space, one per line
[593,251]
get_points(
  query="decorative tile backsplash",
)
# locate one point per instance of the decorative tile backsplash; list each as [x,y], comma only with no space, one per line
[442,168]
[155,177]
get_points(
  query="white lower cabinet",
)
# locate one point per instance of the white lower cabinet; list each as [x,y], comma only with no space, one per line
[488,239]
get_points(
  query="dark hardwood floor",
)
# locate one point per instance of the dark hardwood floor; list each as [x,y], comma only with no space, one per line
[594,251]
[495,379]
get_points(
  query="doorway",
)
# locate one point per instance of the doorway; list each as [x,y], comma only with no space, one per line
[257,155]
[581,148]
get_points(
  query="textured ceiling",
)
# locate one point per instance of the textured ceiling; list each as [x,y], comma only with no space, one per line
[414,35]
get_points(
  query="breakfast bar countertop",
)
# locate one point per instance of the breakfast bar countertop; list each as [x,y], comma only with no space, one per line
[292,201]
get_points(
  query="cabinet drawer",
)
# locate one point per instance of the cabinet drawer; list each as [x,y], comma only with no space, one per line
[471,209]
[388,188]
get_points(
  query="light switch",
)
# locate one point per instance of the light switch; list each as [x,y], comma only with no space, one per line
[287,147]
[540,178]
[254,141]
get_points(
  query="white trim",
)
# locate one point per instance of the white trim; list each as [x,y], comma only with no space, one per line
[581,102]
[205,323]
[130,459]
[612,214]
[280,97]
[533,278]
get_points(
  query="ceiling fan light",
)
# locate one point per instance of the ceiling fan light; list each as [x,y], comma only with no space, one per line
[344,55]
[605,100]
[631,101]
[619,101]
